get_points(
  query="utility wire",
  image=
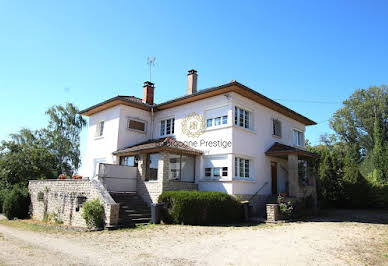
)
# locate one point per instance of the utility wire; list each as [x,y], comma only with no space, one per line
[307,101]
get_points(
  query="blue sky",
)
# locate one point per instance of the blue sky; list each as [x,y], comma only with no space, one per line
[52,52]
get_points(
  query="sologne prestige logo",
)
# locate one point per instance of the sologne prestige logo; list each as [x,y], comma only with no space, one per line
[193,125]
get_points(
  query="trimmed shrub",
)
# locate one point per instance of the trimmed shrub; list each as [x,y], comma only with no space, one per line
[199,208]
[93,213]
[16,203]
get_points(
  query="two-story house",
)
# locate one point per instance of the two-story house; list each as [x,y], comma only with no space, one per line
[228,138]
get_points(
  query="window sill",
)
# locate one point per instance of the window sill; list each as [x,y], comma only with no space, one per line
[99,137]
[276,136]
[208,129]
[241,179]
[137,131]
[165,136]
[249,130]
[214,180]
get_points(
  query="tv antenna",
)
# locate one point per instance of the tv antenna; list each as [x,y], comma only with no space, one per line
[151,63]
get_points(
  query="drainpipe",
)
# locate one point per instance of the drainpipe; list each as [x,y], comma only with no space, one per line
[152,122]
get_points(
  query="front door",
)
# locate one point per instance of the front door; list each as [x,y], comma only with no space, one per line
[274,174]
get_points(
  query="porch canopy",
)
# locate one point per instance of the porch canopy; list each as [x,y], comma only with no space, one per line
[163,144]
[282,151]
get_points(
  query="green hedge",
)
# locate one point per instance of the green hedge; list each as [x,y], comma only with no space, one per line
[378,196]
[16,203]
[199,208]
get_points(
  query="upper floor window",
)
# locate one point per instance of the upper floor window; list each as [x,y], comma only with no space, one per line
[100,129]
[276,128]
[136,125]
[221,120]
[298,138]
[241,167]
[167,127]
[242,117]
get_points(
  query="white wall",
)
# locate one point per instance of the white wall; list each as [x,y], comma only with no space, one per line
[102,147]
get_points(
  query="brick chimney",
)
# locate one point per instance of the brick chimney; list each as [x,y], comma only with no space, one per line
[148,92]
[192,77]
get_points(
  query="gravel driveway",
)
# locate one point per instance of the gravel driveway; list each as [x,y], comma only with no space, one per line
[343,237]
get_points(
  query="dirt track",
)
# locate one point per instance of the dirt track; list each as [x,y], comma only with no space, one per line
[345,237]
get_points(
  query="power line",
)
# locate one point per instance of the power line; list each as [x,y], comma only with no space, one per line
[308,101]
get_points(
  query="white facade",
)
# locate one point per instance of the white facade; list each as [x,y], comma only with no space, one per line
[246,144]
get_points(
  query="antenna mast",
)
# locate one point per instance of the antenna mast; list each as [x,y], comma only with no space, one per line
[151,63]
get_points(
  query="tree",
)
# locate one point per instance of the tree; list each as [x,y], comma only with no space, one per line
[25,157]
[62,135]
[354,123]
[379,155]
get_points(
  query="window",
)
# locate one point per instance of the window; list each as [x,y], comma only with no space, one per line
[100,129]
[216,172]
[224,119]
[224,171]
[136,125]
[298,138]
[241,167]
[217,121]
[167,127]
[152,166]
[276,128]
[208,172]
[221,120]
[128,161]
[181,167]
[209,123]
[242,117]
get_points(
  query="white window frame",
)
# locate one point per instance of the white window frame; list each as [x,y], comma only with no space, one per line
[280,129]
[237,110]
[138,120]
[220,172]
[242,162]
[172,127]
[293,137]
[98,133]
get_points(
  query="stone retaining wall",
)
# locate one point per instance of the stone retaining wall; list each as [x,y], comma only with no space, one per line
[64,199]
[257,203]
[273,212]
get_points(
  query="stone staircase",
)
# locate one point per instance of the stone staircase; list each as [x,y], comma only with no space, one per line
[133,210]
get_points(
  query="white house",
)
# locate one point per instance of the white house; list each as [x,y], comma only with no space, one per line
[228,138]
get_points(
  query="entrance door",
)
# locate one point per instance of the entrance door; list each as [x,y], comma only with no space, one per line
[274,174]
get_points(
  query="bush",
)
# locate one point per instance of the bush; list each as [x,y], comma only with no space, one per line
[16,203]
[199,208]
[93,213]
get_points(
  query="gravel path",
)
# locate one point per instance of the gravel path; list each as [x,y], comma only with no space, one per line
[361,239]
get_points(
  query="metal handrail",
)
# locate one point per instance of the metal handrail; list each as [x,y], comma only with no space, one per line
[266,183]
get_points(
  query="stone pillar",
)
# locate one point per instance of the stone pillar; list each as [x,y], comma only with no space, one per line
[142,166]
[273,212]
[163,168]
[293,182]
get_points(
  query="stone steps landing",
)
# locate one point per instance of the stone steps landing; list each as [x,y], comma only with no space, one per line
[133,210]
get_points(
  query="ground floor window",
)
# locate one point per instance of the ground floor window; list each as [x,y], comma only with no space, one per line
[181,167]
[216,172]
[152,166]
[242,167]
[128,161]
